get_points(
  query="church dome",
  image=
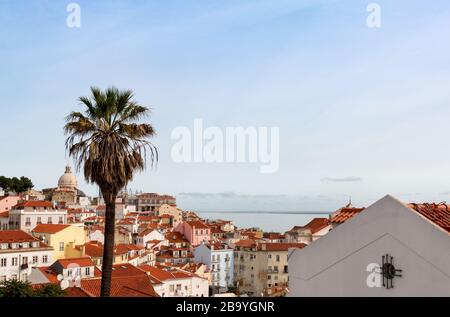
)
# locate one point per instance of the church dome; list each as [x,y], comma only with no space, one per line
[68,179]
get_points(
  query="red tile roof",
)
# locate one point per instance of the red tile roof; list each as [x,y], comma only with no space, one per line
[93,249]
[35,203]
[8,236]
[279,246]
[439,214]
[83,261]
[4,214]
[267,246]
[344,214]
[49,228]
[159,275]
[197,224]
[127,281]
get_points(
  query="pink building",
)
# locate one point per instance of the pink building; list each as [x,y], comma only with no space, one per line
[194,231]
[7,202]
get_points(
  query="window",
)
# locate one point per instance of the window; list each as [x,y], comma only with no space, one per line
[24,277]
[269,277]
[88,271]
[172,288]
[25,260]
[3,262]
[14,277]
[278,258]
[61,246]
[270,256]
[35,259]
[14,262]
[27,221]
[39,220]
[44,258]
[60,221]
[49,220]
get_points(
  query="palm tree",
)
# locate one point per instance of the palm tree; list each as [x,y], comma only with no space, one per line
[111,144]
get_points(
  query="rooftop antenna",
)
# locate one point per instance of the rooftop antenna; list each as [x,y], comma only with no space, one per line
[349,201]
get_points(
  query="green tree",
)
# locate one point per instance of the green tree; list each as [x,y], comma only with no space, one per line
[18,185]
[50,290]
[15,288]
[110,143]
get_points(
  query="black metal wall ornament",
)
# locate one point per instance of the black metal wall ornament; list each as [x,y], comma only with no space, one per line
[388,271]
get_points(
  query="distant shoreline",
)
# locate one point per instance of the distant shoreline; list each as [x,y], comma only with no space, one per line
[268,212]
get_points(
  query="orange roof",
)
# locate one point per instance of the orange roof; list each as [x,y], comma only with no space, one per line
[279,246]
[344,214]
[35,203]
[266,246]
[93,249]
[314,225]
[49,228]
[8,236]
[138,286]
[439,214]
[245,243]
[197,224]
[4,214]
[126,281]
[159,275]
[273,235]
[175,237]
[83,261]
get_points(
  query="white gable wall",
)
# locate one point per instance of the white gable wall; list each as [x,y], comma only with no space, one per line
[335,265]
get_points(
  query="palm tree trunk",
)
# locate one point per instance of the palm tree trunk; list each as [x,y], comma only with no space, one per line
[108,248]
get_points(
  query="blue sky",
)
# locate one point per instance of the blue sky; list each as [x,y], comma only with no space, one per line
[362,111]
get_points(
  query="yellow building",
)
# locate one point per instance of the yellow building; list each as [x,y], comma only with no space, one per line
[63,238]
[261,269]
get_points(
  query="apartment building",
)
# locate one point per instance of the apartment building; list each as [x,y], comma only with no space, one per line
[313,230]
[152,201]
[63,238]
[27,215]
[260,267]
[218,257]
[19,253]
[172,282]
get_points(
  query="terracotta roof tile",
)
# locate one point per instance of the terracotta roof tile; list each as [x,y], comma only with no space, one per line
[8,236]
[49,228]
[83,261]
[439,214]
[344,214]
[35,203]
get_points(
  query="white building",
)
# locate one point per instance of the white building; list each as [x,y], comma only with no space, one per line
[389,249]
[313,230]
[149,235]
[25,216]
[219,258]
[19,253]
[171,282]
